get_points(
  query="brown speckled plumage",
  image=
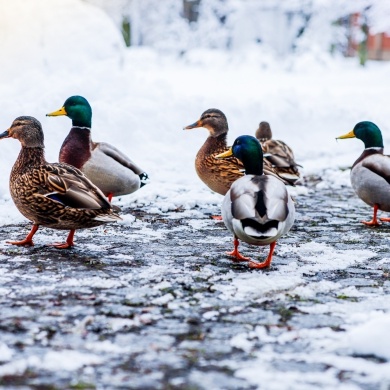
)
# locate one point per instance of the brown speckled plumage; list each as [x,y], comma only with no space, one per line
[219,174]
[277,153]
[57,196]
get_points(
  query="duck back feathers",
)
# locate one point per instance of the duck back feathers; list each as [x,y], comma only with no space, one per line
[258,209]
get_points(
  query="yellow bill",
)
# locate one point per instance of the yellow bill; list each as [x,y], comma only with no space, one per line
[59,112]
[351,134]
[228,153]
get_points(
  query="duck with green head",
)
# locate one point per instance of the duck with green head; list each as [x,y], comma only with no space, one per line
[219,175]
[258,208]
[370,173]
[107,167]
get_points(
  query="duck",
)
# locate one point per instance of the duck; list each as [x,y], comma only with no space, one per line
[57,196]
[106,166]
[219,174]
[257,209]
[278,153]
[370,173]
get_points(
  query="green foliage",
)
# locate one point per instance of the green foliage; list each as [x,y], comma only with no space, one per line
[126,31]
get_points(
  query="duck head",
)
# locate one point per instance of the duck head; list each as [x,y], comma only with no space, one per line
[76,108]
[247,149]
[368,132]
[263,133]
[213,120]
[27,130]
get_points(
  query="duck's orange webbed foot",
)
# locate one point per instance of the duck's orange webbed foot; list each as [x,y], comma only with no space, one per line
[236,254]
[24,242]
[60,245]
[371,223]
[374,221]
[66,245]
[216,217]
[385,219]
[28,240]
[267,262]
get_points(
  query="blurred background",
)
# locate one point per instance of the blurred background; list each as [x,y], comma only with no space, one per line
[359,28]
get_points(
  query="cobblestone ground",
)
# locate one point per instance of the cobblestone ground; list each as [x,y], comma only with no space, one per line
[156,304]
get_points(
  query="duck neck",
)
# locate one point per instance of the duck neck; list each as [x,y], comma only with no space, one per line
[253,166]
[28,158]
[214,144]
[76,148]
[368,152]
[84,119]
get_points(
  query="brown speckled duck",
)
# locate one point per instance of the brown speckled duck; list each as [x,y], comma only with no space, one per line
[219,174]
[107,167]
[277,153]
[57,196]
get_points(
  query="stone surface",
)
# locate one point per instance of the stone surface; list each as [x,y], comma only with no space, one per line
[156,304]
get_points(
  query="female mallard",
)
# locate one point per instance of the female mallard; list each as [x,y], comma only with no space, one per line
[277,153]
[370,173]
[57,196]
[219,175]
[108,168]
[258,208]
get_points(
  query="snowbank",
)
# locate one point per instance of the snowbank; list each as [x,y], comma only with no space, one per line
[141,100]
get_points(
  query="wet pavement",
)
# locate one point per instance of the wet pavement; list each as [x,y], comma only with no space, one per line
[154,303]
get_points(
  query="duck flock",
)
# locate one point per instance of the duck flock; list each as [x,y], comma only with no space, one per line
[252,175]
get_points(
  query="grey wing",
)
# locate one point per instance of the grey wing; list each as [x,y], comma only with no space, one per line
[118,156]
[379,165]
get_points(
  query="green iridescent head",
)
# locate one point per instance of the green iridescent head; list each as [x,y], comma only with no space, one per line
[247,149]
[78,109]
[368,132]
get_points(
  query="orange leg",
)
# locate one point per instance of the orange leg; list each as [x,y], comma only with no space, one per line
[235,253]
[28,240]
[385,219]
[109,197]
[216,217]
[267,262]
[69,241]
[374,221]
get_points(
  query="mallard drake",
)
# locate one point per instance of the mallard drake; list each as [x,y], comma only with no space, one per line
[57,195]
[219,175]
[107,167]
[278,153]
[370,173]
[258,208]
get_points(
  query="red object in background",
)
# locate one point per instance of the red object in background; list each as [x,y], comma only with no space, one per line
[379,47]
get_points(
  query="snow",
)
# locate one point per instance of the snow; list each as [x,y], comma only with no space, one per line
[141,101]
[371,337]
[5,353]
[68,360]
